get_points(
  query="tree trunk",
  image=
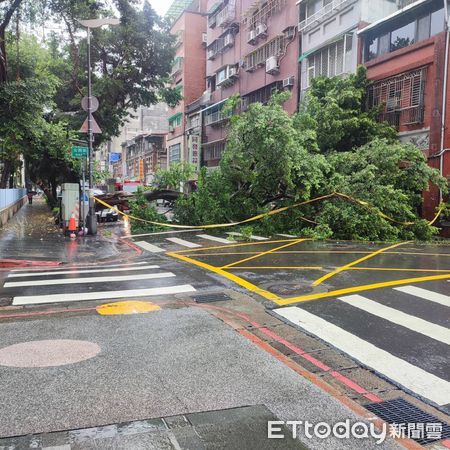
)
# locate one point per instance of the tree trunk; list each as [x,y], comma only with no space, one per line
[2,56]
[6,174]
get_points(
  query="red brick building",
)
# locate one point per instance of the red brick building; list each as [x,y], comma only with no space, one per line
[188,72]
[405,57]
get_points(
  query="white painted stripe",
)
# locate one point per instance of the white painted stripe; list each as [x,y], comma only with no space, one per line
[215,239]
[160,232]
[256,238]
[402,372]
[416,324]
[149,247]
[89,280]
[183,242]
[425,294]
[59,298]
[286,235]
[100,266]
[76,272]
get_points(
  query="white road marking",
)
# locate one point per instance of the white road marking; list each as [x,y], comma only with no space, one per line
[76,272]
[286,235]
[100,266]
[107,295]
[416,324]
[149,247]
[89,280]
[215,239]
[425,294]
[256,238]
[402,372]
[160,232]
[183,242]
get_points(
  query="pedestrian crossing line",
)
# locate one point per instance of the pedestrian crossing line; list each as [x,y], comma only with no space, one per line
[401,372]
[160,233]
[286,235]
[215,238]
[149,247]
[425,294]
[76,272]
[104,295]
[89,280]
[413,323]
[256,238]
[183,242]
[26,271]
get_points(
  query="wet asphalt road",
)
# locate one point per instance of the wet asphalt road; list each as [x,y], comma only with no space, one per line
[181,360]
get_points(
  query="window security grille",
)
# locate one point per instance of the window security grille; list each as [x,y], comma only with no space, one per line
[401,98]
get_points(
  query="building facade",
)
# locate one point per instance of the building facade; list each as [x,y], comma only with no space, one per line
[329,41]
[188,75]
[405,57]
[252,50]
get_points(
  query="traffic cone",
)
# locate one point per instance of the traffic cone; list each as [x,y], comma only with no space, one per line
[72,226]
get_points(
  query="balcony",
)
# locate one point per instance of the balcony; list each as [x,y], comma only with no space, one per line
[215,118]
[326,12]
[412,115]
[177,66]
[226,16]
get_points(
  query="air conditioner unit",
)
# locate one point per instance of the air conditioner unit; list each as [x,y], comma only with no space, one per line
[289,32]
[252,37]
[261,30]
[228,40]
[206,97]
[288,82]
[204,38]
[272,66]
[211,54]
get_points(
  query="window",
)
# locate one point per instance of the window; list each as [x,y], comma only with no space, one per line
[276,47]
[425,26]
[329,61]
[175,120]
[403,36]
[213,151]
[264,94]
[437,22]
[401,97]
[221,75]
[175,153]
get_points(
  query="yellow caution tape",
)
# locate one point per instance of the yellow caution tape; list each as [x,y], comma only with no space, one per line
[271,213]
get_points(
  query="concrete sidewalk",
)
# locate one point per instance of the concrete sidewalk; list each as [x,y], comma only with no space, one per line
[32,235]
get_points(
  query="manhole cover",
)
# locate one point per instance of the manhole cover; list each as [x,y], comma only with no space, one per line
[418,425]
[211,298]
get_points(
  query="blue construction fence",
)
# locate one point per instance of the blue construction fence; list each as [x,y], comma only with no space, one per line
[10,196]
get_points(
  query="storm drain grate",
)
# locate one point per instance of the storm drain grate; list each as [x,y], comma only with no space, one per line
[411,421]
[211,298]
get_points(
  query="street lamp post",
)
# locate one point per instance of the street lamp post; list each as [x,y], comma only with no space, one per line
[91,219]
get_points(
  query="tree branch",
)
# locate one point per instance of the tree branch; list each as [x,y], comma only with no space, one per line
[9,14]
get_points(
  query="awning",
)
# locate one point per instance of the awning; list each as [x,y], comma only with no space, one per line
[215,105]
[304,56]
[175,116]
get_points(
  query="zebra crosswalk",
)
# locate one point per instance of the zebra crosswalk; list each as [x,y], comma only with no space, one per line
[412,352]
[117,281]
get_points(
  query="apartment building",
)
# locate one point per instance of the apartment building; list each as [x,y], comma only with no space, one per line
[405,57]
[141,121]
[188,74]
[329,41]
[252,49]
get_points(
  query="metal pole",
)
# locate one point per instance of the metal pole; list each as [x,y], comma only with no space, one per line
[91,219]
[83,203]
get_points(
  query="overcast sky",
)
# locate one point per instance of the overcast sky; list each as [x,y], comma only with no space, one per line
[161,6]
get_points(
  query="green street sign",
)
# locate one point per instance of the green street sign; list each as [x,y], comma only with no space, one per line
[79,152]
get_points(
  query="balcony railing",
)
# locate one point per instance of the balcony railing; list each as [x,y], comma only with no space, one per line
[406,116]
[226,16]
[327,11]
[215,117]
